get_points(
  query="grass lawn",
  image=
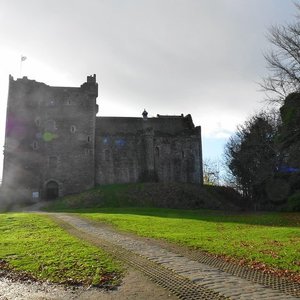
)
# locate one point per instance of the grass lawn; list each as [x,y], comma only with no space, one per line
[271,238]
[37,245]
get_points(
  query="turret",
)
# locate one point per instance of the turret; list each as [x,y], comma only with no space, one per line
[91,85]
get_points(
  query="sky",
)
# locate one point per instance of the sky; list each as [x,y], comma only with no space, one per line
[198,57]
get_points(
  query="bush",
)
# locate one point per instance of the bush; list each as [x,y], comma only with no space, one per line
[293,203]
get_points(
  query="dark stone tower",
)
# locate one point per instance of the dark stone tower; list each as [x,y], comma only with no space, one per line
[49,141]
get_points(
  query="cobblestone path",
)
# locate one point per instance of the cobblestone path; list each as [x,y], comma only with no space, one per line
[210,281]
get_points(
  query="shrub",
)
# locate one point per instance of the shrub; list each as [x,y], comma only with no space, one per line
[293,203]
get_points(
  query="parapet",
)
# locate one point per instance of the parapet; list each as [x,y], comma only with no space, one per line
[91,79]
[169,116]
[23,80]
[91,85]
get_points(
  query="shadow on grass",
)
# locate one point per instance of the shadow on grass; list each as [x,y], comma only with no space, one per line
[150,199]
[274,219]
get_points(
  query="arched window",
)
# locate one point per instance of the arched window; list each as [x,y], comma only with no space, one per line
[73,129]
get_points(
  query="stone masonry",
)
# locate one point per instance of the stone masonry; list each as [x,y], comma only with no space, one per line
[55,145]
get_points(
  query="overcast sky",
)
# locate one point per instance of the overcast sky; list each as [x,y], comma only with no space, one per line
[202,57]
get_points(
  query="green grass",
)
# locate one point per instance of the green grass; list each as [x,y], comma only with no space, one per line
[113,195]
[271,238]
[37,245]
[163,195]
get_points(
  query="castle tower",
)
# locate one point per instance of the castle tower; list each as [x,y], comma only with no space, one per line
[50,138]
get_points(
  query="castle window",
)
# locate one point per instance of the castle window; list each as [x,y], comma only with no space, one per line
[73,129]
[37,122]
[69,101]
[35,145]
[182,154]
[88,138]
[157,152]
[52,162]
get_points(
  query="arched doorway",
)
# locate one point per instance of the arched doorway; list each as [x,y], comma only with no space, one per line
[51,190]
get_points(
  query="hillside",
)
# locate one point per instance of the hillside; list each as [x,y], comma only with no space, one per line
[163,195]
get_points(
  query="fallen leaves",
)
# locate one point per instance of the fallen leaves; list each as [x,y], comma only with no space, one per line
[262,267]
[271,253]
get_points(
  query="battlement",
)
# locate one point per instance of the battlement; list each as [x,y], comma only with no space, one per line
[90,82]
[169,116]
[91,85]
[24,81]
[91,79]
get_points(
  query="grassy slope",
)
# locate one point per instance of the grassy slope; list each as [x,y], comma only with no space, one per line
[272,238]
[38,246]
[167,195]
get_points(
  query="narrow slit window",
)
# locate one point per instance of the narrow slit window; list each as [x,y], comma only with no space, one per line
[157,152]
[37,122]
[73,128]
[35,145]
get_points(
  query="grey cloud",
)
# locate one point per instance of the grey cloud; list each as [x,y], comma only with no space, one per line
[172,56]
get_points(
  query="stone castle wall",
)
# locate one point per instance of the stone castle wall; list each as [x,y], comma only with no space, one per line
[143,149]
[55,145]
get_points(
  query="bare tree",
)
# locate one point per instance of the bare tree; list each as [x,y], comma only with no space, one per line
[211,172]
[283,61]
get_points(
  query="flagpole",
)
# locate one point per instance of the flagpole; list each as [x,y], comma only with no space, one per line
[23,58]
[21,67]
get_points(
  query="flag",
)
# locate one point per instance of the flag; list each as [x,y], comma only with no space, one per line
[23,58]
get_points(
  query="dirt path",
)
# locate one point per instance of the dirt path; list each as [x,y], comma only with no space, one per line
[134,286]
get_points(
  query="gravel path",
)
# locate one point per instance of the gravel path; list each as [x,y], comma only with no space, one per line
[200,274]
[135,286]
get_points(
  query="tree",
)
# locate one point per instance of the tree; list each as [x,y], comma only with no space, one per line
[283,61]
[211,172]
[251,156]
[289,130]
[285,184]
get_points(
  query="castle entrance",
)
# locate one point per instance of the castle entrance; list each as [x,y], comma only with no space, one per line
[51,190]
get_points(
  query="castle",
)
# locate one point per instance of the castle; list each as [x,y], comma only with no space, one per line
[56,145]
